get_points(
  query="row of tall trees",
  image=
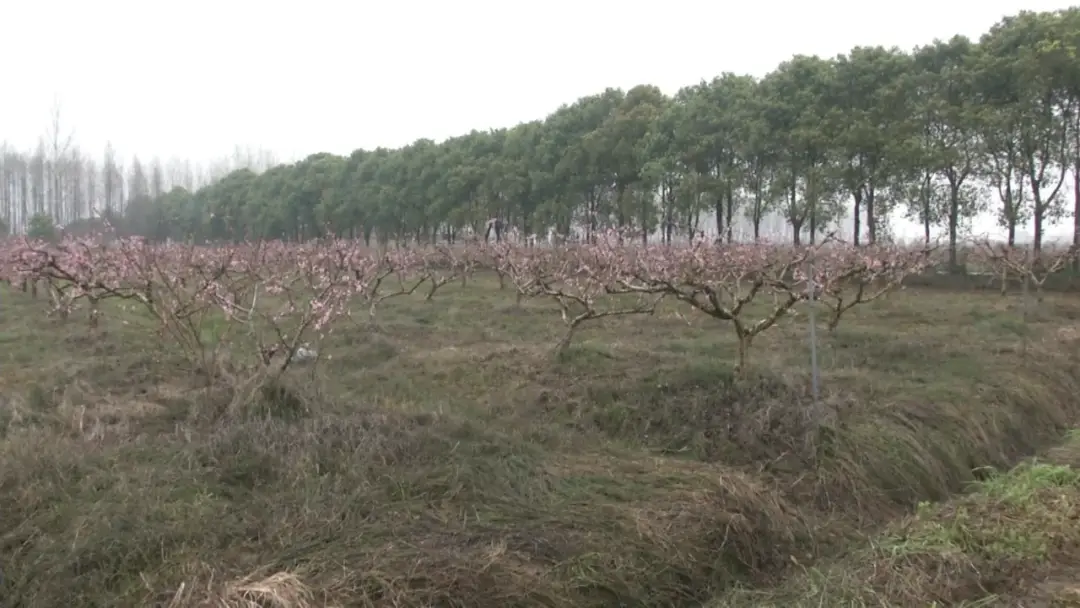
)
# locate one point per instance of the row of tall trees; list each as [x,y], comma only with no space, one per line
[58,184]
[944,133]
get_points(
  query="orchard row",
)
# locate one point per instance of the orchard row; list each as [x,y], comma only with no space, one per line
[295,292]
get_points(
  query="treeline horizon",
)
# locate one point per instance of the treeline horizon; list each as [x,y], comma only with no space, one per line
[60,179]
[945,133]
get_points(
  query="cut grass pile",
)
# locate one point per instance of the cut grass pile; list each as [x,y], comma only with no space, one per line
[446,459]
[390,509]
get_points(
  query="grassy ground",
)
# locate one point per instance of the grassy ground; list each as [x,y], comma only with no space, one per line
[447,459]
[1014,540]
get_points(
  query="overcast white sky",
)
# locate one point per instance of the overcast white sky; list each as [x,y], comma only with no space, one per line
[194,79]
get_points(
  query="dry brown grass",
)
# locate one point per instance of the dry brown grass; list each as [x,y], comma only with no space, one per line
[447,460]
[278,590]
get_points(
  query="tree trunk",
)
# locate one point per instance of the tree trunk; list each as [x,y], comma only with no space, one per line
[871,218]
[719,211]
[730,211]
[1076,205]
[857,214]
[954,223]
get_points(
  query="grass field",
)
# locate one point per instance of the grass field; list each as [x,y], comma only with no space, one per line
[446,458]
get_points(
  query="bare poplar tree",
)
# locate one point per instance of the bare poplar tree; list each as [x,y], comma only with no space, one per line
[179,174]
[138,183]
[24,193]
[37,179]
[73,169]
[7,203]
[113,190]
[200,176]
[60,144]
[216,171]
[157,179]
[92,202]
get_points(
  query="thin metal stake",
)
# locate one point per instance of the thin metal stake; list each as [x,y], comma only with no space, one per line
[815,373]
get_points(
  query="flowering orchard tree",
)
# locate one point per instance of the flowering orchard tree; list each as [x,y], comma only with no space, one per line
[444,264]
[523,268]
[581,279]
[75,269]
[13,268]
[725,280]
[396,273]
[1005,259]
[184,289]
[721,281]
[306,288]
[845,276]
